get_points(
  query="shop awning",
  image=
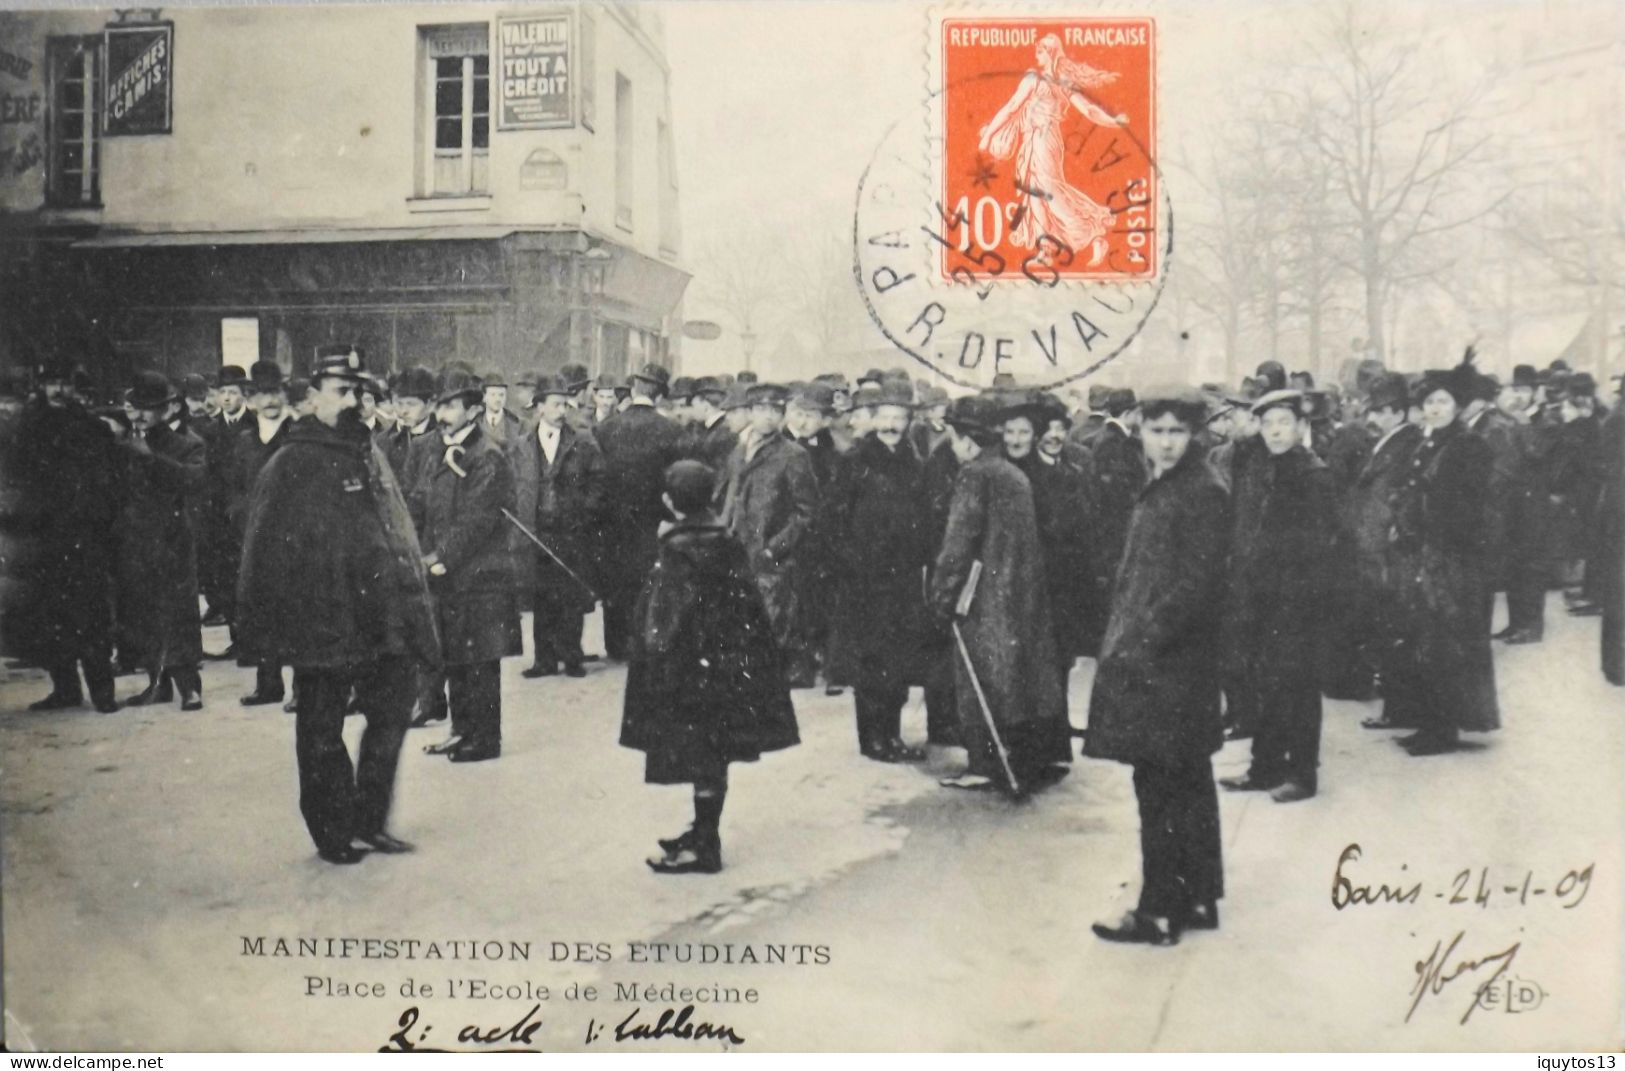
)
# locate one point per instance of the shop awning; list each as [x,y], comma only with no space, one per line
[457,232]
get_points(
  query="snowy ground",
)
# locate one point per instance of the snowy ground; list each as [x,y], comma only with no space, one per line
[141,848]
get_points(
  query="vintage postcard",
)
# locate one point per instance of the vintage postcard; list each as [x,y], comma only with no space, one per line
[812,526]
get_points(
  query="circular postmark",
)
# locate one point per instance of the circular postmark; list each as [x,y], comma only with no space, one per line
[1026,233]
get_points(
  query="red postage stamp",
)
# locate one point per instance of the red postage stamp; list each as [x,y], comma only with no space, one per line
[1047,131]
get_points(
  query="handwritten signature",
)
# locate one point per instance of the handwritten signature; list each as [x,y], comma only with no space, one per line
[517,1037]
[1437,971]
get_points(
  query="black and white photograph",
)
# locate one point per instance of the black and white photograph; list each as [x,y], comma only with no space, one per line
[813,526]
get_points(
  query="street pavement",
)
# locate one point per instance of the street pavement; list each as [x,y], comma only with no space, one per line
[141,848]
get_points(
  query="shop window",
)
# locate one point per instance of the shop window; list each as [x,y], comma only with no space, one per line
[73,168]
[457,82]
[623,151]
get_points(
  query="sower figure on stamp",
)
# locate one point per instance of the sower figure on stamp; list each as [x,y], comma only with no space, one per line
[559,475]
[165,479]
[1280,583]
[1012,719]
[333,584]
[1155,704]
[879,527]
[263,437]
[705,684]
[464,537]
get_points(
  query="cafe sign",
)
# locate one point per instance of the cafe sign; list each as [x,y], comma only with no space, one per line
[535,72]
[138,96]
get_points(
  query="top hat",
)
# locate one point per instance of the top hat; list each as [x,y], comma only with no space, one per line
[339,360]
[194,386]
[654,373]
[575,376]
[231,375]
[152,390]
[767,394]
[819,397]
[264,377]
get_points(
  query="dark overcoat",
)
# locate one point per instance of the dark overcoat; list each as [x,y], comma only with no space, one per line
[1156,690]
[712,445]
[64,491]
[1007,630]
[563,503]
[1502,493]
[1610,559]
[1573,483]
[705,681]
[770,501]
[332,572]
[398,447]
[638,445]
[1120,474]
[1368,511]
[157,555]
[879,526]
[219,545]
[1066,514]
[1440,546]
[250,456]
[509,426]
[941,470]
[463,527]
[1281,561]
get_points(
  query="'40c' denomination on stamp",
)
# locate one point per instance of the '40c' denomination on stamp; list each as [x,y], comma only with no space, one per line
[1015,221]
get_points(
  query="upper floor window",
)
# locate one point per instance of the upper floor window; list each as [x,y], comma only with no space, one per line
[623,151]
[73,166]
[457,80]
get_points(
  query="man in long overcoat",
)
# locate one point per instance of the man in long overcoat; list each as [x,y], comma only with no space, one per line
[1528,521]
[1008,643]
[1120,473]
[1155,703]
[1280,580]
[1501,432]
[333,583]
[769,501]
[263,437]
[559,477]
[65,480]
[638,445]
[219,550]
[464,537]
[879,529]
[165,477]
[704,684]
[1368,521]
[807,418]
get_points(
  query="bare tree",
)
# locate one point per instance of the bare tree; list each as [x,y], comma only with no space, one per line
[822,299]
[742,275]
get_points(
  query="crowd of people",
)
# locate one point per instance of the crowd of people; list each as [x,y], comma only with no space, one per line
[1228,557]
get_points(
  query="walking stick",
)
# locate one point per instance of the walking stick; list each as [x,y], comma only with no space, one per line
[549,552]
[960,609]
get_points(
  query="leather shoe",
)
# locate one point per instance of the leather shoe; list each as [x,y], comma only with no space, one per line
[105,704]
[1139,929]
[1522,636]
[1292,792]
[224,656]
[533,672]
[56,701]
[894,750]
[343,855]
[1380,723]
[258,699]
[470,752]
[574,671]
[1247,783]
[690,859]
[162,692]
[1238,732]
[427,717]
[445,747]
[1588,609]
[386,844]
[214,620]
[672,845]
[1503,634]
[1433,745]
[192,701]
[1204,916]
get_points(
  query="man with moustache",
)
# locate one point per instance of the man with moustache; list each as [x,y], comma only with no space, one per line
[459,506]
[268,400]
[559,475]
[164,476]
[334,584]
[879,528]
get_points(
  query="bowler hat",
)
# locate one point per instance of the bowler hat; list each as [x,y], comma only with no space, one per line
[550,386]
[461,385]
[654,373]
[866,396]
[152,390]
[494,377]
[195,386]
[527,378]
[231,375]
[1273,373]
[609,382]
[766,394]
[874,375]
[976,415]
[1582,385]
[1098,393]
[737,397]
[747,377]
[1120,401]
[682,388]
[264,377]
[899,392]
[931,395]
[1524,375]
[298,390]
[339,361]
[835,380]
[1389,391]
[416,382]
[709,386]
[54,370]
[819,397]
[575,376]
